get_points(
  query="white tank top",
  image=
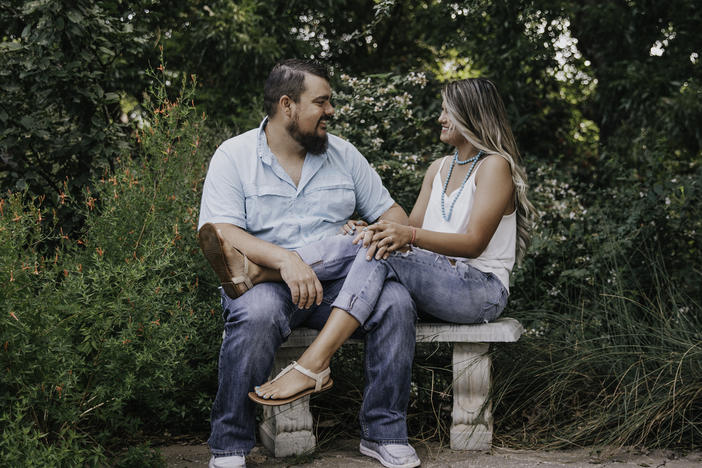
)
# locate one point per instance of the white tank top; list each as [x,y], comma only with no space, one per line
[499,255]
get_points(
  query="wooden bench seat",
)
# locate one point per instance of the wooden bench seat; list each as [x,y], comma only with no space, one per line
[287,430]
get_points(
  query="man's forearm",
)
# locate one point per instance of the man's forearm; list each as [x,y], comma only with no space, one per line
[395,214]
[258,251]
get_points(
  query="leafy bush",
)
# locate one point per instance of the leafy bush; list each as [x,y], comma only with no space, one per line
[106,334]
[391,119]
[142,456]
[610,295]
[61,107]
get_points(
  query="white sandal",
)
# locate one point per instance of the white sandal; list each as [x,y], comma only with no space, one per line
[319,386]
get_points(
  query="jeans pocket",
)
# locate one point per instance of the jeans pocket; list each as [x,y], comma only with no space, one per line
[457,266]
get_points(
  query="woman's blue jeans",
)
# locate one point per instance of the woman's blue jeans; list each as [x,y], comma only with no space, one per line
[256,323]
[450,291]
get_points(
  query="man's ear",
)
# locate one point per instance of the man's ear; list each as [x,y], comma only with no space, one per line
[286,104]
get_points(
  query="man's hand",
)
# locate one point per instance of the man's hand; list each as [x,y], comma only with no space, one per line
[304,285]
[366,238]
[351,225]
[384,237]
[394,215]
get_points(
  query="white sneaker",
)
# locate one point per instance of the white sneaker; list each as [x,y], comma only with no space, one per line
[391,455]
[235,461]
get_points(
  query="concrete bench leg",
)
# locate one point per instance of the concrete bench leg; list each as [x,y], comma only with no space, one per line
[287,429]
[471,428]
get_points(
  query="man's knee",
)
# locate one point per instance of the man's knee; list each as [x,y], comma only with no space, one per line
[261,309]
[328,250]
[396,304]
[391,338]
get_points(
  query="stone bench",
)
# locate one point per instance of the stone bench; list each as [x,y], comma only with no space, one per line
[287,430]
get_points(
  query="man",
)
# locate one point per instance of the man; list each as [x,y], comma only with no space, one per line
[276,188]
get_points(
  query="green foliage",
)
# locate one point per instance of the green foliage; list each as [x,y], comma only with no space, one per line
[142,456]
[59,115]
[109,330]
[392,121]
[610,295]
[232,46]
[516,46]
[21,444]
[562,67]
[617,372]
[634,83]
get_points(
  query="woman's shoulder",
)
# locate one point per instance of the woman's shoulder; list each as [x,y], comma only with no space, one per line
[494,164]
[435,165]
[433,169]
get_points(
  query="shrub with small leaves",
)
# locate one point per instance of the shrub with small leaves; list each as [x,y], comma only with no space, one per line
[113,332]
[391,119]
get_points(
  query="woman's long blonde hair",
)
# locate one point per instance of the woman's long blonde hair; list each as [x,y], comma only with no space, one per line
[478,113]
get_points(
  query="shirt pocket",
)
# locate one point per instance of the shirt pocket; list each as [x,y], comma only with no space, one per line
[333,200]
[266,206]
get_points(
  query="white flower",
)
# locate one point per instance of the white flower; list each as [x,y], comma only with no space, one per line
[419,79]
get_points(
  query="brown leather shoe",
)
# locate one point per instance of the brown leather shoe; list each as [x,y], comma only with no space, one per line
[230,265]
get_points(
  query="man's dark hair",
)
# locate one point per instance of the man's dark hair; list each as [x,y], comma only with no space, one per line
[287,79]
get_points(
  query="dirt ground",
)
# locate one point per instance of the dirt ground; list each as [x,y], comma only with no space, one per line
[345,454]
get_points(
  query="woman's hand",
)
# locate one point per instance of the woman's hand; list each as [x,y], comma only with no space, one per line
[389,237]
[350,226]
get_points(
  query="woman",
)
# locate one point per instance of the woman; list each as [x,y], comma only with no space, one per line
[468,226]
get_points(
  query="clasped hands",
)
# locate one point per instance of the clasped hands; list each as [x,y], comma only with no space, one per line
[381,239]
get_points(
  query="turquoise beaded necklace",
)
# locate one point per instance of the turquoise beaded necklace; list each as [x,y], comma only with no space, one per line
[455,161]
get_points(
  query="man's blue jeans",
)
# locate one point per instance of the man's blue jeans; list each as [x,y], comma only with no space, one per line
[256,323]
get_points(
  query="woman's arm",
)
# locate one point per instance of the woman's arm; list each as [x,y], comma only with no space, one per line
[493,199]
[416,218]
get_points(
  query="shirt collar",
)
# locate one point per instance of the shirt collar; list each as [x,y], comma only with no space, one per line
[263,151]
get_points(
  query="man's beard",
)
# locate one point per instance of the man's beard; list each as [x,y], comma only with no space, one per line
[311,142]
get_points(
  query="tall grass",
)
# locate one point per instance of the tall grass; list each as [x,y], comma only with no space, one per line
[626,370]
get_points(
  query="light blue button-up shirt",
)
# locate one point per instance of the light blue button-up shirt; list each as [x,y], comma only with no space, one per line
[247,187]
